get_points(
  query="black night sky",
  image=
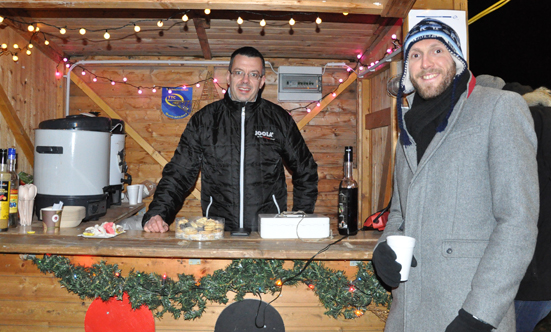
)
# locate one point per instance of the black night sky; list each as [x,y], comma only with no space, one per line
[512,42]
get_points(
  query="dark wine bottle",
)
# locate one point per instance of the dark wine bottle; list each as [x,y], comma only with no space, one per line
[348,198]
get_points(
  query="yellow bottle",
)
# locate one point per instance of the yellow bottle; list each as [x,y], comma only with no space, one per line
[5,178]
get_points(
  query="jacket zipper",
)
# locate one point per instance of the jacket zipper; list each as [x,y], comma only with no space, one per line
[208,207]
[242,169]
[277,205]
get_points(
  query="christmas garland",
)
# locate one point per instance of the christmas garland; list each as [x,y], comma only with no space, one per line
[188,297]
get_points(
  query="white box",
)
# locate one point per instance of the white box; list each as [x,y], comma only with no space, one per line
[308,226]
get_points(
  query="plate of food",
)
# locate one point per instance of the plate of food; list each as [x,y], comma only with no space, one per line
[104,231]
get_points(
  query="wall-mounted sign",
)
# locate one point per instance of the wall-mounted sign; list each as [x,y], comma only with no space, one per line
[177,102]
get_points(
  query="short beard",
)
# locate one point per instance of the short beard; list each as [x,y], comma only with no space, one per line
[432,92]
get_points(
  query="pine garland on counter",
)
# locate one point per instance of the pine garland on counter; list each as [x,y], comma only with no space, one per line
[188,297]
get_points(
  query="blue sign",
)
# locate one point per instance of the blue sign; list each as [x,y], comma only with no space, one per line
[177,102]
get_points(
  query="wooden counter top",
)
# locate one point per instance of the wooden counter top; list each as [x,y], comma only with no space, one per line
[143,244]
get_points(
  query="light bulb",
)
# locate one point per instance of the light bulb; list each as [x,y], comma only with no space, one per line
[359,56]
[169,91]
[112,82]
[46,42]
[263,23]
[318,20]
[389,50]
[361,67]
[125,79]
[15,57]
[30,46]
[198,85]
[292,21]
[345,13]
[223,90]
[140,91]
[15,46]
[28,52]
[57,73]
[308,110]
[67,65]
[239,20]
[83,73]
[207,11]
[82,31]
[393,36]
[62,31]
[106,35]
[37,29]
[185,18]
[137,28]
[334,94]
[31,27]
[160,23]
[215,80]
[153,90]
[4,46]
[95,79]
[65,59]
[340,80]
[1,19]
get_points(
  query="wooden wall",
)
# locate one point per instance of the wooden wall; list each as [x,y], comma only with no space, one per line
[326,135]
[33,301]
[31,89]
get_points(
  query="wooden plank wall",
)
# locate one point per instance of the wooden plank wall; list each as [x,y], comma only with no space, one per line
[33,301]
[32,89]
[326,135]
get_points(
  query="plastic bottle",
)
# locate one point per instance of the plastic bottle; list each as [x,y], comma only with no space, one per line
[348,198]
[14,189]
[5,178]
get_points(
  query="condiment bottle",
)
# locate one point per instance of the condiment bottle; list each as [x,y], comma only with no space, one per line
[14,189]
[5,178]
[348,198]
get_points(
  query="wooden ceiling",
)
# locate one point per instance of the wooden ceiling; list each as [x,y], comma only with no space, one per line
[207,36]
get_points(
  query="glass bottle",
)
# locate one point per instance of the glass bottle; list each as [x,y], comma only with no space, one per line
[14,189]
[348,198]
[5,178]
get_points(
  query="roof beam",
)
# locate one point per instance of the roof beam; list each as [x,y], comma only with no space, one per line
[200,26]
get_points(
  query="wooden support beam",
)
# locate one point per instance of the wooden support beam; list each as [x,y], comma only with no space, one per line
[397,8]
[377,119]
[364,148]
[326,101]
[200,27]
[129,130]
[382,39]
[15,125]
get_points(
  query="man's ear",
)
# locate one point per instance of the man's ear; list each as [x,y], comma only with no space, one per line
[262,80]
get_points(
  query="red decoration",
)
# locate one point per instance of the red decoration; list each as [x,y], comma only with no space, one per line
[118,316]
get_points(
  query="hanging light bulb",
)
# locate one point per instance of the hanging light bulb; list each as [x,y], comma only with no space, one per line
[169,91]
[393,36]
[1,19]
[83,73]
[82,31]
[46,42]
[308,110]
[318,20]
[112,82]
[95,79]
[334,94]
[140,91]
[239,20]
[16,46]
[361,67]
[207,11]
[37,29]
[263,23]
[124,79]
[223,91]
[160,23]
[340,80]
[67,65]
[57,73]
[30,46]
[153,90]
[62,31]
[30,28]
[198,85]
[137,28]
[28,52]
[292,21]
[15,57]
[185,18]
[215,80]
[65,59]
[106,35]
[4,46]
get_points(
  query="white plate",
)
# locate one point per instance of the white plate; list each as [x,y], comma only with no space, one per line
[102,236]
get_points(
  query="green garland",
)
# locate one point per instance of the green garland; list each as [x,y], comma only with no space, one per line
[188,297]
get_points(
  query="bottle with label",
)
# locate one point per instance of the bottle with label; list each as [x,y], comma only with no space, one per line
[14,189]
[348,198]
[5,178]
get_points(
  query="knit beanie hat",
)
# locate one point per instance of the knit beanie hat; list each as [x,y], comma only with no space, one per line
[428,29]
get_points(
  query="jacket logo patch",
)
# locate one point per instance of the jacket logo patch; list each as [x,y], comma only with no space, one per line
[264,134]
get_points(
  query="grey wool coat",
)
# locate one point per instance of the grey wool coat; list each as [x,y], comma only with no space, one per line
[472,205]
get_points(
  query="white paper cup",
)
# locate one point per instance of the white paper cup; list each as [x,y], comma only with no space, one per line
[140,192]
[133,193]
[403,247]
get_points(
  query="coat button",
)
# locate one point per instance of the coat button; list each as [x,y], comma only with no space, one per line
[449,251]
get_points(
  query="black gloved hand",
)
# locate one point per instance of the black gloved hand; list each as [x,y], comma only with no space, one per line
[385,264]
[465,322]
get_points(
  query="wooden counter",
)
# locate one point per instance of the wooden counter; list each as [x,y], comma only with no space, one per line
[34,301]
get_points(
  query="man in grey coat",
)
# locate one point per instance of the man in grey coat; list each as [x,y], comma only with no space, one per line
[465,187]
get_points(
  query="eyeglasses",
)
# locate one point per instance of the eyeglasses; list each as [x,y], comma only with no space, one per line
[241,74]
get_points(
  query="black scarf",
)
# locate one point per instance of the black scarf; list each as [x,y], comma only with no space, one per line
[425,115]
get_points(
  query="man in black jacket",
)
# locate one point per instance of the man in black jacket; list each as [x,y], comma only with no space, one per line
[240,144]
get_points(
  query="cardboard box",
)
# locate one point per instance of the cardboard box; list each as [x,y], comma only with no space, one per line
[304,226]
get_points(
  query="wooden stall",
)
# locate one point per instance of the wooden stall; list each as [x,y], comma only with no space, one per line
[354,111]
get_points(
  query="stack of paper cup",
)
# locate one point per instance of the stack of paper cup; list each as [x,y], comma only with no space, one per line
[403,247]
[133,192]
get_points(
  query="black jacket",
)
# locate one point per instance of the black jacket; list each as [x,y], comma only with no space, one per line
[212,142]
